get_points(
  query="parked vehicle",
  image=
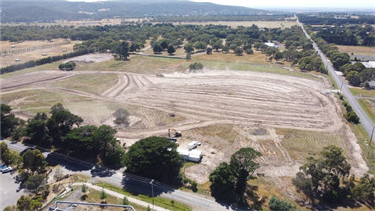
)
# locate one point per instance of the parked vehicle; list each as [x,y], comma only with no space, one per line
[3,167]
[8,169]
[194,144]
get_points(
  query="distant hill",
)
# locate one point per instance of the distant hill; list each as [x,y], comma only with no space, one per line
[51,10]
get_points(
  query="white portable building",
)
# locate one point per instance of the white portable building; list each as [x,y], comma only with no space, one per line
[190,155]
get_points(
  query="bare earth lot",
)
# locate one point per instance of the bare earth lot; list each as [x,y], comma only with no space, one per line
[280,113]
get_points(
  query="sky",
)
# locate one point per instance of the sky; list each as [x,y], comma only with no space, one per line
[296,3]
[350,4]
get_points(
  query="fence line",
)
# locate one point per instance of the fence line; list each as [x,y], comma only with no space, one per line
[34,48]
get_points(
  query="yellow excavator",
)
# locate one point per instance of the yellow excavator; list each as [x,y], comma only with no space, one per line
[172,133]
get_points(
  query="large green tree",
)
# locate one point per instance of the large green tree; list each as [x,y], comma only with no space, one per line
[229,182]
[322,177]
[123,50]
[223,183]
[154,157]
[34,161]
[8,121]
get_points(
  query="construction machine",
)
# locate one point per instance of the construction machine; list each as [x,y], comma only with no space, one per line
[173,133]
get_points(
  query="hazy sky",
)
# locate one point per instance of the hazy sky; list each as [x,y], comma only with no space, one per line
[297,3]
[352,4]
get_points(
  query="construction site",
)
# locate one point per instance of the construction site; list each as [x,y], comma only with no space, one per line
[210,114]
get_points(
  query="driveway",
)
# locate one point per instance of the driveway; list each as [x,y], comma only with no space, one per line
[8,187]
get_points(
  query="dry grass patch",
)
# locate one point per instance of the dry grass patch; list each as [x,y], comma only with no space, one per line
[94,197]
[136,64]
[94,84]
[235,24]
[37,54]
[266,187]
[302,144]
[363,92]
[357,50]
[225,132]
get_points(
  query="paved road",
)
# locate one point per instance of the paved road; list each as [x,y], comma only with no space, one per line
[8,187]
[130,182]
[364,118]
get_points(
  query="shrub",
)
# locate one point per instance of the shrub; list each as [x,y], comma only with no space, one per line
[196,66]
[277,204]
[352,117]
[194,186]
[67,66]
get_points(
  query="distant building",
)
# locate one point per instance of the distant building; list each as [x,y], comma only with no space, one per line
[271,45]
[371,84]
[370,64]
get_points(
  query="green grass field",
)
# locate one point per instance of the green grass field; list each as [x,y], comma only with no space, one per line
[94,84]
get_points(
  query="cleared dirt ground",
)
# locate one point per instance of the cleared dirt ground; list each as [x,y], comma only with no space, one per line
[285,117]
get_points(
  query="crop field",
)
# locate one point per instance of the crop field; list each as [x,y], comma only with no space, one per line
[235,24]
[33,55]
[357,50]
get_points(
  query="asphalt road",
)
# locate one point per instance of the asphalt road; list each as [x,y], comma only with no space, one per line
[8,187]
[130,182]
[364,118]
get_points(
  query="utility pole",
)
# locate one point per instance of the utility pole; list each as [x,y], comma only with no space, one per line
[342,83]
[372,133]
[152,191]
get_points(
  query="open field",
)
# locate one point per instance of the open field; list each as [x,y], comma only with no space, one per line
[357,50]
[304,144]
[6,45]
[279,112]
[103,22]
[94,84]
[363,92]
[34,55]
[235,24]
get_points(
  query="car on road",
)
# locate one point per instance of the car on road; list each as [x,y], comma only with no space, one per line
[6,170]
[3,167]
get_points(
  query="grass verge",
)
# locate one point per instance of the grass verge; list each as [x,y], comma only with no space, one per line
[94,197]
[159,201]
[368,108]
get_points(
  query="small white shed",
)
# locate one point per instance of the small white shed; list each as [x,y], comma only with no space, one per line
[190,155]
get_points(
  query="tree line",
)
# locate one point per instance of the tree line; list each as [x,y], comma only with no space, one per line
[357,74]
[347,34]
[277,17]
[329,19]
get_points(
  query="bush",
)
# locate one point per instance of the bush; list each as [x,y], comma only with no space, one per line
[352,117]
[249,51]
[279,205]
[196,66]
[194,186]
[67,66]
